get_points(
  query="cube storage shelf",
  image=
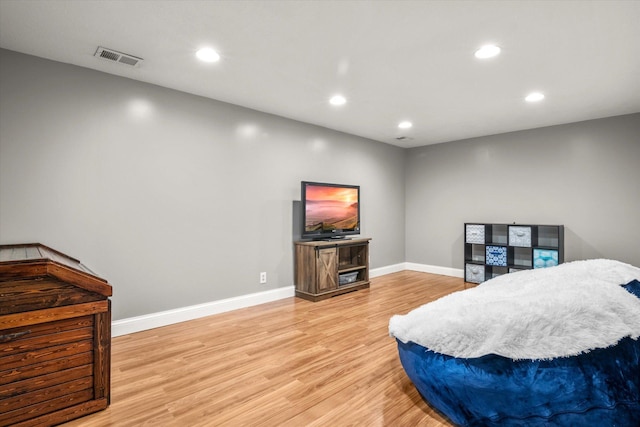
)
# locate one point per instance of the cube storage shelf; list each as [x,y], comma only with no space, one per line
[491,250]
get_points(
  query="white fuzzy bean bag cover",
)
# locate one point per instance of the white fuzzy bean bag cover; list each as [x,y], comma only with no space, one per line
[532,314]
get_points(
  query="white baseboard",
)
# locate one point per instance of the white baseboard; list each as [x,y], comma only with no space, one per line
[183,314]
[381,271]
[169,317]
[434,269]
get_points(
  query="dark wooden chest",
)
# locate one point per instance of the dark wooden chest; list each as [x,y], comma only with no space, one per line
[55,337]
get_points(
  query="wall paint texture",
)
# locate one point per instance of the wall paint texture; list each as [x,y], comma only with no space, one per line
[584,175]
[175,199]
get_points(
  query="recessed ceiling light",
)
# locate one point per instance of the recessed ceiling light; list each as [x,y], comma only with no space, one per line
[534,97]
[405,125]
[207,54]
[338,100]
[487,51]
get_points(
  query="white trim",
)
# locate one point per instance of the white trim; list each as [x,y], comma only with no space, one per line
[423,268]
[169,317]
[381,271]
[177,315]
[434,269]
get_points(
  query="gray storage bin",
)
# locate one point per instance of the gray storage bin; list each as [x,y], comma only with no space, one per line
[474,273]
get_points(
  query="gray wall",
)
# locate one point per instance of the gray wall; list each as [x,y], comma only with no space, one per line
[584,175]
[179,200]
[173,198]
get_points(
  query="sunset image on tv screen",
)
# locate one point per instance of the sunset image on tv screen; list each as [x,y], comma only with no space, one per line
[331,208]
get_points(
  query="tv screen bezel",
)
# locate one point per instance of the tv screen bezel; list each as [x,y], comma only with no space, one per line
[329,234]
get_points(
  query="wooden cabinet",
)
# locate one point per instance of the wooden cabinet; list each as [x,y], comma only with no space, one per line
[491,250]
[55,337]
[327,268]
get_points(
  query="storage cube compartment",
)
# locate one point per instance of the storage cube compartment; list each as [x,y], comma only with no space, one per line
[520,236]
[499,234]
[521,257]
[474,233]
[495,272]
[474,273]
[545,258]
[496,256]
[474,253]
[548,236]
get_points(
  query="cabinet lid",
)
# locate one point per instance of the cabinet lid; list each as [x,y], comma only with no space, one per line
[31,260]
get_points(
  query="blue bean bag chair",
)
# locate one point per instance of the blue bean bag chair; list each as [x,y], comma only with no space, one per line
[531,348]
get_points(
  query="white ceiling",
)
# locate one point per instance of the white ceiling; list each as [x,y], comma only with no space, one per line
[393,60]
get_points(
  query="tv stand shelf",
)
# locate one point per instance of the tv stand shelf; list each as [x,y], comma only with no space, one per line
[325,269]
[349,268]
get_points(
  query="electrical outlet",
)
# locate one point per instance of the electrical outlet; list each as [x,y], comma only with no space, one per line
[263,277]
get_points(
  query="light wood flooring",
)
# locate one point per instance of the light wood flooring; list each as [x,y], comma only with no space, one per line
[287,363]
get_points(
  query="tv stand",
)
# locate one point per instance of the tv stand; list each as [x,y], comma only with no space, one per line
[324,269]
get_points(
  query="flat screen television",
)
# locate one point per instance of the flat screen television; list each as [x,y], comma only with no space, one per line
[330,211]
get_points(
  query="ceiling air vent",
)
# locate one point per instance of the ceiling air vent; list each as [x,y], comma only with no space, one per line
[115,56]
[404,138]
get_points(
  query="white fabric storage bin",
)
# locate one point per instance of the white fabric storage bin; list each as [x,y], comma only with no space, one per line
[475,233]
[520,236]
[474,273]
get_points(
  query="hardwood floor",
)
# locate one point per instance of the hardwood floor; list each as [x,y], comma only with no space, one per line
[290,362]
